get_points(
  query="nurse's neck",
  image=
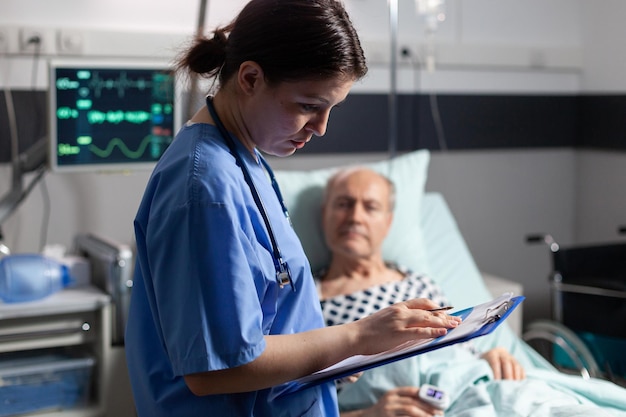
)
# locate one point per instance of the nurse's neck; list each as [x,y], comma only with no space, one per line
[227,107]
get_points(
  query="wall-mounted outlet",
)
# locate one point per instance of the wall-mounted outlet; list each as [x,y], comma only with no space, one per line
[69,42]
[34,41]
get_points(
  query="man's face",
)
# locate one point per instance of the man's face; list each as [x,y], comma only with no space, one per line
[357,214]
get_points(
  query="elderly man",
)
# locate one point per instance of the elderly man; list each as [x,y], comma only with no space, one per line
[357,215]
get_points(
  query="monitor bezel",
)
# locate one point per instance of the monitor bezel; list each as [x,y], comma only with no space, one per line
[94,63]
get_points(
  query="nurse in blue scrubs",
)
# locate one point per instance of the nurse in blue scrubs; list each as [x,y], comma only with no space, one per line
[224,312]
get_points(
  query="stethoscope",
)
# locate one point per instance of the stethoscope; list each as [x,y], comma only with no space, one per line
[283,274]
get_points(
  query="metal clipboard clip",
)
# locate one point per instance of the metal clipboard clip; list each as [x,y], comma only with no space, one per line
[494,314]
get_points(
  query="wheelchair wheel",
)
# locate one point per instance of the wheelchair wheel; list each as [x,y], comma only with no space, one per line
[561,339]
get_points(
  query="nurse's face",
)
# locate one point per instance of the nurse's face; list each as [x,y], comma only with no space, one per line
[357,215]
[281,119]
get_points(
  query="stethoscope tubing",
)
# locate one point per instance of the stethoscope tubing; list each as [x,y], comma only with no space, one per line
[283,274]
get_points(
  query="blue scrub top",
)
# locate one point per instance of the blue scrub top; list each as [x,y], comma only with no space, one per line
[205,291]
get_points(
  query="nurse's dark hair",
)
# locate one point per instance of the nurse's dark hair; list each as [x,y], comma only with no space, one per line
[290,39]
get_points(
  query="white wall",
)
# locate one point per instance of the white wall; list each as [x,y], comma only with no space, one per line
[600,197]
[508,46]
[604,50]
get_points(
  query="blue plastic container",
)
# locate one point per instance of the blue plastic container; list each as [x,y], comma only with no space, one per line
[30,277]
[34,382]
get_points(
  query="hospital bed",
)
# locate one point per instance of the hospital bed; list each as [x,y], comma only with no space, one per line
[425,237]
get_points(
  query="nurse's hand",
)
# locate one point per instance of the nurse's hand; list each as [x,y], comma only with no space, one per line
[290,356]
[503,364]
[402,322]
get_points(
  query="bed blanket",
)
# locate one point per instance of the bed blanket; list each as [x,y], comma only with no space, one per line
[474,392]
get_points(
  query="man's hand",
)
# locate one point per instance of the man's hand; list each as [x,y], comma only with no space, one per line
[351,379]
[503,364]
[401,401]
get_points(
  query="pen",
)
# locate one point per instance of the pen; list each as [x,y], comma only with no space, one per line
[441,309]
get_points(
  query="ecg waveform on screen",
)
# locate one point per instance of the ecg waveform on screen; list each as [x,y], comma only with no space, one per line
[106,152]
[65,149]
[97,83]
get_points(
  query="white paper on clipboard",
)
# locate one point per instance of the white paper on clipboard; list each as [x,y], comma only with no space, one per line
[477,321]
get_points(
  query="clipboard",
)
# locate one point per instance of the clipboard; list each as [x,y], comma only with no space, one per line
[479,320]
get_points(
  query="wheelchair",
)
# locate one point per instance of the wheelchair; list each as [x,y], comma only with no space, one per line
[587,330]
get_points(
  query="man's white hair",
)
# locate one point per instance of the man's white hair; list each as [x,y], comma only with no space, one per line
[343,173]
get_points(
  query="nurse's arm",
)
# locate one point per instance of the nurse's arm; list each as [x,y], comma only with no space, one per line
[288,357]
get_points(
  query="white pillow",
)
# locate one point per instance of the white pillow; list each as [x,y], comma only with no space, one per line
[303,190]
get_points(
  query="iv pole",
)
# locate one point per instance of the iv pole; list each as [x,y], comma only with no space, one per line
[393,87]
[191,98]
[433,12]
